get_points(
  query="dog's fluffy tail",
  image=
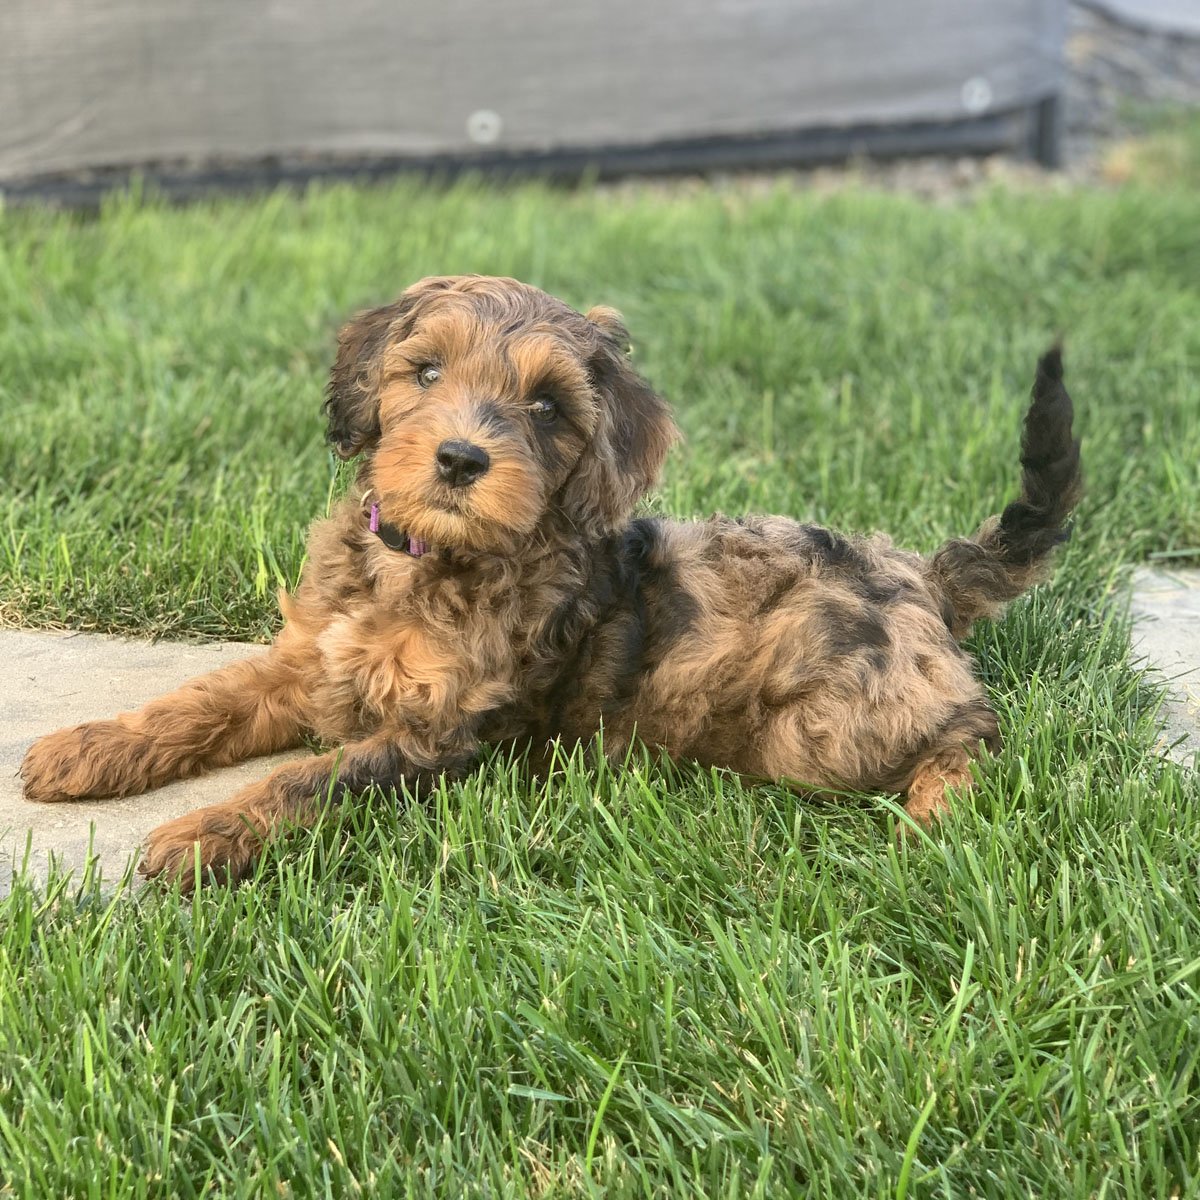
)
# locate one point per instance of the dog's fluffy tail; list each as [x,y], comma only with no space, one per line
[1010,553]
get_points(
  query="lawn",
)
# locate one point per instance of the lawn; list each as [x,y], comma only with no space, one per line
[652,981]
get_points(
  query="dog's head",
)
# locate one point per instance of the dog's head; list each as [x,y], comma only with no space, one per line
[486,405]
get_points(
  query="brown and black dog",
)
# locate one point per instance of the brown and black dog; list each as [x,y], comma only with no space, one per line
[484,583]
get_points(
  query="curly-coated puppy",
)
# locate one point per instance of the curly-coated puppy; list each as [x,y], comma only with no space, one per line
[483,583]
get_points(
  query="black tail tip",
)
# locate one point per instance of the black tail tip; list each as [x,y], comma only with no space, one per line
[1050,365]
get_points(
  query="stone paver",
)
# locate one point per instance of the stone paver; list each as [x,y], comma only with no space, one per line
[48,680]
[1166,633]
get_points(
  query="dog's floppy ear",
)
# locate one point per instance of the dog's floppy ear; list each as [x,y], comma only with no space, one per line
[632,437]
[352,394]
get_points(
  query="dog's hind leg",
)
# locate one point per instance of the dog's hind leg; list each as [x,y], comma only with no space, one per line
[248,708]
[926,800]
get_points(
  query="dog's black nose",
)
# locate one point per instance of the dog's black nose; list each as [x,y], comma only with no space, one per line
[461,463]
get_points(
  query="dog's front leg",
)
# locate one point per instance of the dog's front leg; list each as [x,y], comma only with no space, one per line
[245,709]
[231,836]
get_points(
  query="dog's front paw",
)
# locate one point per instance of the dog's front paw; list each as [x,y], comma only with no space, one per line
[87,761]
[228,848]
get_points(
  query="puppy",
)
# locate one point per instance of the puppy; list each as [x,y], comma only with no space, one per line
[484,583]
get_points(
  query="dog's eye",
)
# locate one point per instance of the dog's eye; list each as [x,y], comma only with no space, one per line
[544,408]
[428,375]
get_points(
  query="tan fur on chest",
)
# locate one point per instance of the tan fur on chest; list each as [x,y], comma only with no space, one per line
[392,672]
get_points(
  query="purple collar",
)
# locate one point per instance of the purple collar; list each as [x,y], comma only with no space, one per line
[393,538]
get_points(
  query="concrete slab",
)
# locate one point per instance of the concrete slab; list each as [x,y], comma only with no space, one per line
[1166,633]
[48,680]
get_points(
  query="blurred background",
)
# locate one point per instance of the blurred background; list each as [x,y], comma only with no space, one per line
[217,94]
[629,983]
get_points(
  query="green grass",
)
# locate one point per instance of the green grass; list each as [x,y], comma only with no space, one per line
[1164,151]
[649,982]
